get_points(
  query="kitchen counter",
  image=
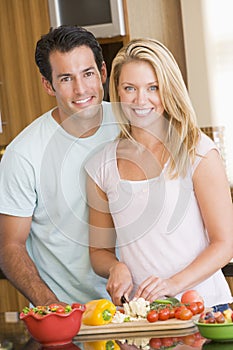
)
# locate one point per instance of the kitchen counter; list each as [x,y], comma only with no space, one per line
[14,336]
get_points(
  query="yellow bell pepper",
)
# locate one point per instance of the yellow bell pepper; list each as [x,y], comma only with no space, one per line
[101,345]
[98,312]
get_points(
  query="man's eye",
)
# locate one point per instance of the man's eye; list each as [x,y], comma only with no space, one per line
[89,74]
[65,79]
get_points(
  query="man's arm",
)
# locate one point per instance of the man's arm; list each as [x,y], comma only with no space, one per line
[17,265]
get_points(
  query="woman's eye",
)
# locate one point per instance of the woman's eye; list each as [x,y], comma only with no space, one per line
[154,87]
[129,88]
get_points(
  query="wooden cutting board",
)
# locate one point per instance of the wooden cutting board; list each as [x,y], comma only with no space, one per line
[137,326]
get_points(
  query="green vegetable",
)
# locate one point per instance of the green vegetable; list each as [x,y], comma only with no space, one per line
[127,319]
[68,308]
[26,310]
[172,301]
[161,303]
[109,345]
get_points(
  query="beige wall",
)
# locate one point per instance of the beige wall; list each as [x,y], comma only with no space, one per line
[208,38]
[196,51]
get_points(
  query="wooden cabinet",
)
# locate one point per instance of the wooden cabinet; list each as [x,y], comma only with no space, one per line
[160,20]
[22,97]
[156,19]
[10,298]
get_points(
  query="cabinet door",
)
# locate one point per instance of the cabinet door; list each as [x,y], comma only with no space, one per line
[22,98]
[161,20]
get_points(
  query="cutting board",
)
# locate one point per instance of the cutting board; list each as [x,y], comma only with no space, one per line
[136,326]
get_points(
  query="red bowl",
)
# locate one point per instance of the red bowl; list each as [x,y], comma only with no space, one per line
[54,328]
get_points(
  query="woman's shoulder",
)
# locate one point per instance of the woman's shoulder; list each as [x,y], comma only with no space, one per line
[205,144]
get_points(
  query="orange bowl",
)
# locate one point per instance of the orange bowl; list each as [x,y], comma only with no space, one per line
[54,328]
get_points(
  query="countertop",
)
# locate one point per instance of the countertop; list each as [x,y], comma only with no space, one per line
[13,335]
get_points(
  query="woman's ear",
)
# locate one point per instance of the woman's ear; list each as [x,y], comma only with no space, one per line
[47,86]
[103,73]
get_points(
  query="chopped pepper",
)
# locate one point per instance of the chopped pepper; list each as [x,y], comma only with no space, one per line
[98,312]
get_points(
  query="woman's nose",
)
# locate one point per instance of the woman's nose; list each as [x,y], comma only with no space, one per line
[141,97]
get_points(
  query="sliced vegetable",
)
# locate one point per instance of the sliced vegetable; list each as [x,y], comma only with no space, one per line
[44,310]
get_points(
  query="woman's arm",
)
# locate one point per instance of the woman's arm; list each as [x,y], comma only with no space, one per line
[102,241]
[213,195]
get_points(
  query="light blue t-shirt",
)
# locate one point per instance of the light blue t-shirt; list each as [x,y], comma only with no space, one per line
[42,175]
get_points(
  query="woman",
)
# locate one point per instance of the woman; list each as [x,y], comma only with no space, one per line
[160,190]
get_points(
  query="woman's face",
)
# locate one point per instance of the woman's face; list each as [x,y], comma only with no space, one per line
[139,93]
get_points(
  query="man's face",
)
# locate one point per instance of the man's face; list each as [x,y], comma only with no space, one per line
[77,82]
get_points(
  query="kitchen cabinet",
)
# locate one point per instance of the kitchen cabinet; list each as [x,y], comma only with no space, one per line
[161,20]
[10,298]
[22,97]
[156,19]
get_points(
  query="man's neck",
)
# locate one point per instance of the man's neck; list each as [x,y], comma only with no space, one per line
[78,125]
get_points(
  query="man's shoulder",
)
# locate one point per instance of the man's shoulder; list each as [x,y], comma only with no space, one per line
[35,129]
[33,137]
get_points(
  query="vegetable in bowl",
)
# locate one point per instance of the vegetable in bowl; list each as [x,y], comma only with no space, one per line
[54,324]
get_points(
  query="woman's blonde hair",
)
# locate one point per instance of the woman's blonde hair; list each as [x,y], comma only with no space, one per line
[182,134]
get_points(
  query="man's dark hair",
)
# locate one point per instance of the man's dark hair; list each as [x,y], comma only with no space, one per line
[64,39]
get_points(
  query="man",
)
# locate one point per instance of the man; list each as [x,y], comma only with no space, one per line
[43,220]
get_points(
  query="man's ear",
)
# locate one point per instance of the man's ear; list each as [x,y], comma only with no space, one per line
[47,86]
[103,72]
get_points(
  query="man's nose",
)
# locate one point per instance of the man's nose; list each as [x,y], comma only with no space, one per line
[79,86]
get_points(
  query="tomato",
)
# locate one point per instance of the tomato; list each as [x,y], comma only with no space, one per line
[178,311]
[185,314]
[167,342]
[60,310]
[193,307]
[152,316]
[53,306]
[200,306]
[121,310]
[191,296]
[172,312]
[189,339]
[76,306]
[155,343]
[164,314]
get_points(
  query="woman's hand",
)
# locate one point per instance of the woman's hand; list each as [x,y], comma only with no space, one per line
[119,282]
[155,288]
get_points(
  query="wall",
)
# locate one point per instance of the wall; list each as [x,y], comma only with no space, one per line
[208,37]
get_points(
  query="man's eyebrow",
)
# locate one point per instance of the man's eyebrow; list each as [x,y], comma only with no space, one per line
[70,74]
[87,69]
[64,75]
